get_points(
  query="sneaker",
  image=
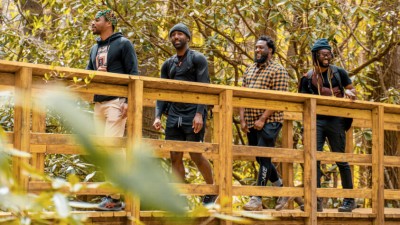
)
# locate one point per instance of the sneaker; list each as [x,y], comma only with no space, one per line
[255,204]
[282,202]
[110,204]
[320,207]
[348,205]
[209,199]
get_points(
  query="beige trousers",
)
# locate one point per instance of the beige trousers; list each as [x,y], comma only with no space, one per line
[108,121]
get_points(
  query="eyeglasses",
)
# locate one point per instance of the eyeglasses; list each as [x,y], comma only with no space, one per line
[324,55]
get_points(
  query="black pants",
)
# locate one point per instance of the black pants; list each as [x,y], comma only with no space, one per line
[332,128]
[265,138]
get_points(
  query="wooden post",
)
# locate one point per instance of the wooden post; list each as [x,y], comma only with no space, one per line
[225,150]
[39,126]
[216,138]
[134,136]
[377,165]
[287,168]
[310,163]
[350,147]
[22,110]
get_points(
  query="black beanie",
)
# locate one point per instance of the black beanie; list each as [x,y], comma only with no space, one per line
[321,44]
[182,28]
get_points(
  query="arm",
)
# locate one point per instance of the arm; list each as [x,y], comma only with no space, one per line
[349,90]
[161,105]
[201,65]
[129,58]
[90,63]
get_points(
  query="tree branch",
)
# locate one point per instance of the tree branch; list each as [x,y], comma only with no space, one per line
[374,59]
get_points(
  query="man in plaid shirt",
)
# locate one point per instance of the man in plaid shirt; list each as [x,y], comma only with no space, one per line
[262,126]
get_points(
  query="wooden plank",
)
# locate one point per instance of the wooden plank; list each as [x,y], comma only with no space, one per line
[92,88]
[197,189]
[344,157]
[267,104]
[7,79]
[267,191]
[277,153]
[180,96]
[392,126]
[183,146]
[216,138]
[391,161]
[287,168]
[344,112]
[392,194]
[310,163]
[87,188]
[38,125]
[344,193]
[377,165]
[225,151]
[22,116]
[134,136]
[391,118]
[350,147]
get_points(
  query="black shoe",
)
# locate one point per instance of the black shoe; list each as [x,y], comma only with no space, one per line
[209,199]
[320,207]
[110,204]
[348,205]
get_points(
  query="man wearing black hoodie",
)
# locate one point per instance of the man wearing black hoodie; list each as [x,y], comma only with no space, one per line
[116,54]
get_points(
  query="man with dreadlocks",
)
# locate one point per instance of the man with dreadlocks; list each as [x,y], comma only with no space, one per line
[329,80]
[112,53]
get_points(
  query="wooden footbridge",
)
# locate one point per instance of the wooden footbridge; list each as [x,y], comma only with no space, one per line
[29,136]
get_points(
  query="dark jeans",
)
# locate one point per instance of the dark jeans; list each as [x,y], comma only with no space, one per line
[265,138]
[332,128]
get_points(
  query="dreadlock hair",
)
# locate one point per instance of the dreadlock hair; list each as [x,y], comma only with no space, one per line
[314,57]
[270,42]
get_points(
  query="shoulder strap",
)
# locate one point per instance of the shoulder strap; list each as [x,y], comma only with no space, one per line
[336,74]
[170,63]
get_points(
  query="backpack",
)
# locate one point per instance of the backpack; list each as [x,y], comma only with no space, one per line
[338,92]
[336,74]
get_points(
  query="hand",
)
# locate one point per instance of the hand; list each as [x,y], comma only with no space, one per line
[102,68]
[349,93]
[197,123]
[243,126]
[124,110]
[157,123]
[259,124]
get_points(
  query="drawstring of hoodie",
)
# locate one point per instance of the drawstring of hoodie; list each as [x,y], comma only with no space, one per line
[179,121]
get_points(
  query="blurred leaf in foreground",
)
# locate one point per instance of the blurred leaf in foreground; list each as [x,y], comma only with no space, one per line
[140,174]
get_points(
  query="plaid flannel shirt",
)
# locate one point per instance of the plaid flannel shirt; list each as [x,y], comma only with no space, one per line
[269,76]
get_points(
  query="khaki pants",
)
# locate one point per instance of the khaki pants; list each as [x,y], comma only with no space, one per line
[108,121]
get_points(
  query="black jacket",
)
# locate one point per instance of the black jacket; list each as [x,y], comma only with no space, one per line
[121,58]
[193,67]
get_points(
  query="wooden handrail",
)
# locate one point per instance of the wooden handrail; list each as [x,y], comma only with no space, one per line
[27,80]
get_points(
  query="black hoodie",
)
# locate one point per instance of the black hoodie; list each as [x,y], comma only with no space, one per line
[121,58]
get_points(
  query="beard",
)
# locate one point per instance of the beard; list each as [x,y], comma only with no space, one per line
[262,59]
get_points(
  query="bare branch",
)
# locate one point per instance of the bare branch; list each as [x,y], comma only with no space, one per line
[374,59]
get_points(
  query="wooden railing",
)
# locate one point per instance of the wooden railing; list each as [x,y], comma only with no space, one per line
[29,133]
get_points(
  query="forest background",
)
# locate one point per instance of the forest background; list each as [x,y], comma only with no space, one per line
[364,34]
